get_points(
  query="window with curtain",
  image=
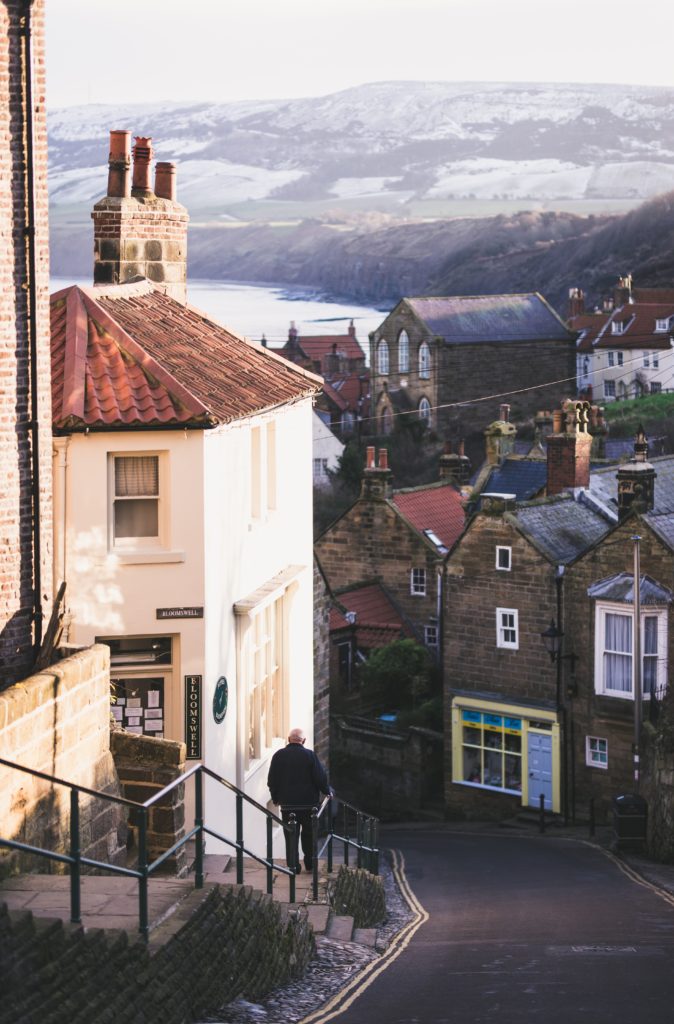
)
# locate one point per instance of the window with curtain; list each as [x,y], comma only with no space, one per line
[382,357]
[403,352]
[613,667]
[424,361]
[135,498]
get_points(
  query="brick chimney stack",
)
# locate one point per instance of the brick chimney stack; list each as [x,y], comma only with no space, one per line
[454,466]
[138,232]
[500,437]
[576,302]
[622,293]
[377,482]
[636,480]
[569,448]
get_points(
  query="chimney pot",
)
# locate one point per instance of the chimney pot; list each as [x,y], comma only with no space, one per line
[370,458]
[383,458]
[557,421]
[119,163]
[505,413]
[142,158]
[165,180]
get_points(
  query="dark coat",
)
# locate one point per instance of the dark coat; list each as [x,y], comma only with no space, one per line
[296,777]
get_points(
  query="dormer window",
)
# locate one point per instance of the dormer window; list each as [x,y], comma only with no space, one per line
[618,327]
[662,325]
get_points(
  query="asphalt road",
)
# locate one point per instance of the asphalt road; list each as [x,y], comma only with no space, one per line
[523,929]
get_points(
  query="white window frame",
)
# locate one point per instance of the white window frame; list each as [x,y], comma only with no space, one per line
[655,387]
[158,542]
[499,549]
[611,358]
[425,411]
[620,358]
[609,389]
[655,360]
[662,326]
[507,623]
[604,608]
[418,582]
[424,361]
[431,636]
[617,327]
[403,352]
[383,358]
[646,356]
[263,475]
[594,753]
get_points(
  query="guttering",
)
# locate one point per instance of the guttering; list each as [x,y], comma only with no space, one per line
[25,32]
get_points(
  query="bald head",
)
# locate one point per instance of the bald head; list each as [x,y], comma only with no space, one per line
[296,736]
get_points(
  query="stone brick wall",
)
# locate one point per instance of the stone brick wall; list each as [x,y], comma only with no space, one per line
[16,507]
[235,943]
[322,601]
[144,766]
[361,895]
[390,775]
[371,541]
[58,722]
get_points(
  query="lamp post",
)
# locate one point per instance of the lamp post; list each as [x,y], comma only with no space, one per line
[552,638]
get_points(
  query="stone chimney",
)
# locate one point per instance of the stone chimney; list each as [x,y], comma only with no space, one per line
[454,466]
[500,437]
[636,480]
[599,431]
[352,330]
[569,448]
[139,232]
[622,292]
[377,482]
[576,302]
[542,425]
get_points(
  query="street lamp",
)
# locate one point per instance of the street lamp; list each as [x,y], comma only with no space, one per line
[552,638]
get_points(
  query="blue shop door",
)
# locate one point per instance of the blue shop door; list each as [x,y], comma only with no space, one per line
[540,769]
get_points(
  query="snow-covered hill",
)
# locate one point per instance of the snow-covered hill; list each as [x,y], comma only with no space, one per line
[400,140]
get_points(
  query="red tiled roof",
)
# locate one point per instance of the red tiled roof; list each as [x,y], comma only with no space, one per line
[436,508]
[130,355]
[334,396]
[378,622]
[352,388]
[638,330]
[316,347]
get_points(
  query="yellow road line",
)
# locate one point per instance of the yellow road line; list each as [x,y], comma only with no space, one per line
[348,995]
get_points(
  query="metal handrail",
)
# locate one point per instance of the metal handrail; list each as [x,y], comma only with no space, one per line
[365,840]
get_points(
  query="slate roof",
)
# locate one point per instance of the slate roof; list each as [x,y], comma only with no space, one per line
[463,319]
[621,588]
[525,478]
[562,529]
[604,485]
[663,525]
[129,355]
[437,508]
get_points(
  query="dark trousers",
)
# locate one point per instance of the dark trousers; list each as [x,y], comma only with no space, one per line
[303,833]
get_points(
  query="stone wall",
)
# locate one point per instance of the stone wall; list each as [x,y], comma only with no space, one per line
[361,895]
[235,942]
[658,783]
[391,775]
[144,766]
[17,559]
[322,602]
[58,722]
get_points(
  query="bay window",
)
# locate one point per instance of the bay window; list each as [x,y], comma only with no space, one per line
[614,651]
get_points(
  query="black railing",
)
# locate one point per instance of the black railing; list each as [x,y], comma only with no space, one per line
[361,834]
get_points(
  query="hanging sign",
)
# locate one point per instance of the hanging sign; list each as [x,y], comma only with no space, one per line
[193,717]
[220,698]
[180,613]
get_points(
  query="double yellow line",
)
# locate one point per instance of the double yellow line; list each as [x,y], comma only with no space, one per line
[362,981]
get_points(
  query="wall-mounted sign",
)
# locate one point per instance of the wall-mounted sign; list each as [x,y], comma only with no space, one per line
[193,717]
[220,698]
[180,613]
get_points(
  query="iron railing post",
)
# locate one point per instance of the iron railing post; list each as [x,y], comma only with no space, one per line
[330,837]
[199,824]
[359,838]
[345,833]
[375,852]
[541,821]
[292,822]
[143,918]
[239,838]
[270,855]
[75,853]
[314,852]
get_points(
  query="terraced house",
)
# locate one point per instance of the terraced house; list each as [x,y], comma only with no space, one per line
[430,354]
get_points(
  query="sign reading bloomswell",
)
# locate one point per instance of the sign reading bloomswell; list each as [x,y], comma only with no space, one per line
[193,717]
[180,613]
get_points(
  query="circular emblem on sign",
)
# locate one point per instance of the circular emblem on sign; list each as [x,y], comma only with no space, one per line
[220,700]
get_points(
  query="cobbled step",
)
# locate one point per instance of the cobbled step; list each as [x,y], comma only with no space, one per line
[365,936]
[340,927]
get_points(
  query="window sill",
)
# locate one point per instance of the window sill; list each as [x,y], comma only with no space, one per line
[490,789]
[147,557]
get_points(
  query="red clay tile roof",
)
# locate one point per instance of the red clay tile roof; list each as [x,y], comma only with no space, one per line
[378,622]
[316,347]
[129,355]
[334,396]
[352,387]
[436,508]
[638,321]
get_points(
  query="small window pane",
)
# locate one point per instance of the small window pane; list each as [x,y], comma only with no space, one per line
[136,476]
[138,518]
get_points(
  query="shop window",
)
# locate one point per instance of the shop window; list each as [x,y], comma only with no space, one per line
[503,558]
[596,752]
[140,680]
[507,628]
[491,747]
[136,485]
[613,652]
[418,582]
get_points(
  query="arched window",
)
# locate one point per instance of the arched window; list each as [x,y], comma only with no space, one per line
[382,357]
[424,361]
[386,421]
[403,352]
[425,411]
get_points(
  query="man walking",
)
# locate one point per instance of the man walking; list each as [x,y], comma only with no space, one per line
[296,780]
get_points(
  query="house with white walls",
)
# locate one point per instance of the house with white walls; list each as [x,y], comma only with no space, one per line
[327,452]
[183,521]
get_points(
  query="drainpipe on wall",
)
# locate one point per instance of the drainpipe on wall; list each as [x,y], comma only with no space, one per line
[561,704]
[60,513]
[30,284]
